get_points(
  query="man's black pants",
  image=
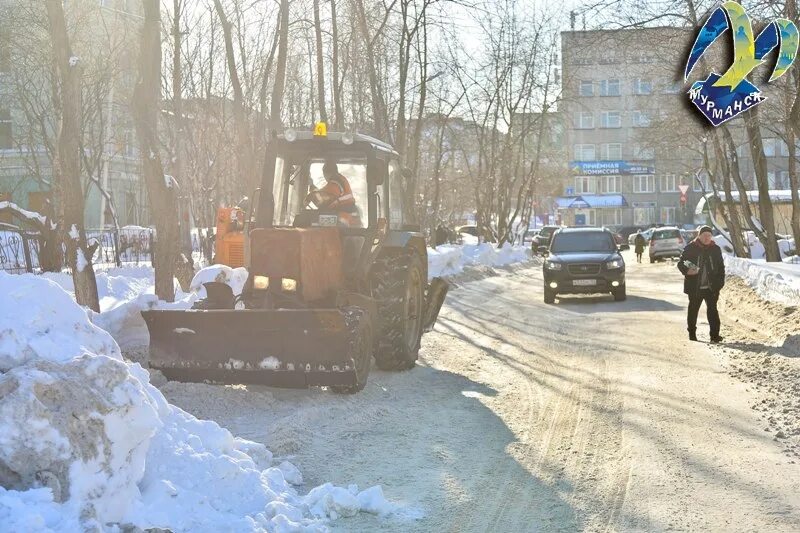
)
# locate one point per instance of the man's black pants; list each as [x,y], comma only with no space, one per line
[695,300]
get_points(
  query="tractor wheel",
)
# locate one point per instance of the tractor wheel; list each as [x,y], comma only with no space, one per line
[398,287]
[361,350]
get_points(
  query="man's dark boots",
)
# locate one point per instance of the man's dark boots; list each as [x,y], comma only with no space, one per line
[716,339]
[692,335]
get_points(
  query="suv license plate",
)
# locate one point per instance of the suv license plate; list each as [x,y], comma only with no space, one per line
[584,282]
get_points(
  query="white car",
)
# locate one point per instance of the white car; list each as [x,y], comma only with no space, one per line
[666,242]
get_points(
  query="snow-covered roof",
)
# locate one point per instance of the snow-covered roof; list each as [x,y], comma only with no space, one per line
[781,195]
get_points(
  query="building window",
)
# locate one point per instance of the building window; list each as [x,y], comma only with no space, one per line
[609,184]
[6,139]
[668,215]
[584,152]
[610,217]
[609,87]
[608,57]
[669,183]
[642,151]
[611,119]
[642,216]
[640,119]
[783,148]
[646,183]
[702,184]
[771,179]
[642,86]
[586,88]
[583,185]
[584,120]
[770,147]
[611,151]
[673,88]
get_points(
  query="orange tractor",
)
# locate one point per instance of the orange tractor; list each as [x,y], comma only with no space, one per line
[323,298]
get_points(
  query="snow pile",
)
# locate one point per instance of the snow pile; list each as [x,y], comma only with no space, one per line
[757,250]
[776,282]
[86,441]
[448,260]
[235,277]
[127,291]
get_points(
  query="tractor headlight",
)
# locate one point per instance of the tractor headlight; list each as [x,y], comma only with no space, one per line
[290,135]
[289,284]
[552,265]
[616,263]
[348,138]
[260,282]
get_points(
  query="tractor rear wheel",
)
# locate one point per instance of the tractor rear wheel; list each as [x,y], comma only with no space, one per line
[398,286]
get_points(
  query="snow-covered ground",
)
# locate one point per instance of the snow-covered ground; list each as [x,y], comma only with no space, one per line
[775,282]
[86,441]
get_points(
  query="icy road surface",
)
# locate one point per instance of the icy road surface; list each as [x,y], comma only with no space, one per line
[584,415]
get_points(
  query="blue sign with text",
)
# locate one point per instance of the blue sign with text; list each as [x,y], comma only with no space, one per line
[600,168]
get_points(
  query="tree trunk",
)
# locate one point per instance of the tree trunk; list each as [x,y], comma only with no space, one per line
[280,70]
[146,105]
[337,94]
[766,213]
[794,185]
[735,172]
[67,164]
[412,159]
[184,264]
[323,111]
[376,92]
[731,213]
[247,175]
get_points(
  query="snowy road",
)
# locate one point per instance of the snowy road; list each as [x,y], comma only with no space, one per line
[586,415]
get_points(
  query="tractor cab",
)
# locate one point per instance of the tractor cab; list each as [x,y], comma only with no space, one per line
[298,179]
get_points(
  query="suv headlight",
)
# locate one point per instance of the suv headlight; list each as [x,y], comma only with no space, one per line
[552,265]
[616,263]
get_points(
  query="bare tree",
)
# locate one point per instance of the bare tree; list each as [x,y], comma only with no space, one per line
[67,168]
[146,106]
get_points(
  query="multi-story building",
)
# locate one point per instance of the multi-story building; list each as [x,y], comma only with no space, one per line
[635,143]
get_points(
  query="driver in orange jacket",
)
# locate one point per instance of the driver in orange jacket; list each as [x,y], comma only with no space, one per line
[336,196]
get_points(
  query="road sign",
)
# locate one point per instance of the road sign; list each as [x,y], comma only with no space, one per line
[684,189]
[683,198]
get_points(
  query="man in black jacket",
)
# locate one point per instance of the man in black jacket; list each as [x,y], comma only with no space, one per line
[704,270]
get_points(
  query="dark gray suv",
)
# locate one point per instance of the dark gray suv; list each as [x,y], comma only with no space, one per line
[584,261]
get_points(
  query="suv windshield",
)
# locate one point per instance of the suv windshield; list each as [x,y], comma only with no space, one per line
[594,241]
[546,232]
[666,234]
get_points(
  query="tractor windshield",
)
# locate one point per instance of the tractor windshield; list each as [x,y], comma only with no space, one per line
[296,183]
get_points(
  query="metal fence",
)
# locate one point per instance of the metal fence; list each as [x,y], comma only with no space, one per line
[19,249]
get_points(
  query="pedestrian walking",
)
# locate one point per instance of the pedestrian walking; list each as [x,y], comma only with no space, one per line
[638,246]
[704,276]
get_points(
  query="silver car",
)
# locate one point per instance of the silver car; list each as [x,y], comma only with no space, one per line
[666,242]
